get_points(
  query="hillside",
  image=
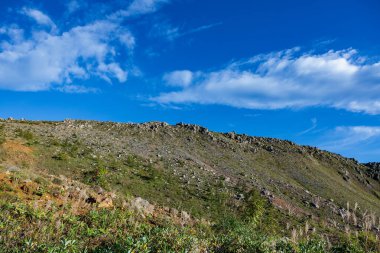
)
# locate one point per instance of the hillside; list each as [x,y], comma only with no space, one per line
[222,192]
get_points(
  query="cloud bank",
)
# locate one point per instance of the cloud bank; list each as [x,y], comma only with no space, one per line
[287,79]
[45,59]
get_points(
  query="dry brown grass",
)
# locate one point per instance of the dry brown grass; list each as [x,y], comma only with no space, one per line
[17,153]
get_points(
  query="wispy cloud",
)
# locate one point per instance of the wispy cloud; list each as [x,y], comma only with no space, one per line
[139,7]
[347,136]
[165,30]
[314,124]
[179,78]
[73,6]
[14,33]
[170,32]
[354,141]
[289,79]
[39,17]
[200,29]
[77,89]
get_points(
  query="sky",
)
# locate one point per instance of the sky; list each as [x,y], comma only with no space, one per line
[305,71]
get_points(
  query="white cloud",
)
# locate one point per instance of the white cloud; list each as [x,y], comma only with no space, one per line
[114,70]
[45,56]
[138,7]
[181,78]
[127,38]
[288,79]
[47,59]
[39,17]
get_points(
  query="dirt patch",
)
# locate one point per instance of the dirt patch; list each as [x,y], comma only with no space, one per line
[47,195]
[16,153]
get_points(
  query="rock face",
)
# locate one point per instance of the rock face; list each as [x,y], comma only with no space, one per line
[373,170]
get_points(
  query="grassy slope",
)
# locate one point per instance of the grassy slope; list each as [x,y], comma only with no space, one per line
[190,169]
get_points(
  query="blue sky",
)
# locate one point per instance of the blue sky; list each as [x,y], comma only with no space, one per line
[306,71]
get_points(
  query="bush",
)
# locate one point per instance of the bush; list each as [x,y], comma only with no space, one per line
[97,176]
[364,242]
[25,134]
[238,236]
[255,206]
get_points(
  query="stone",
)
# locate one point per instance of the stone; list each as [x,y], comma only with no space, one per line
[106,203]
[315,204]
[265,192]
[142,206]
[185,216]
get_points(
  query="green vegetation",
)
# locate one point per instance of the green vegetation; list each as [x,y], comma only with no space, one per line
[25,134]
[120,230]
[132,175]
[262,196]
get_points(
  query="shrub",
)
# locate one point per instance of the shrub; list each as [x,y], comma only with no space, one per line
[97,175]
[61,156]
[255,206]
[25,134]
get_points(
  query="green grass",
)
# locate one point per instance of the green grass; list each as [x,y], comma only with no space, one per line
[25,134]
[131,176]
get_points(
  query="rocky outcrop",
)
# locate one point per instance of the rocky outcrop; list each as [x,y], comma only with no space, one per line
[373,170]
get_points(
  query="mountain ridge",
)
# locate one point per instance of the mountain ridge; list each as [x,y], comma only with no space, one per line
[207,174]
